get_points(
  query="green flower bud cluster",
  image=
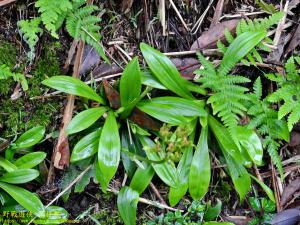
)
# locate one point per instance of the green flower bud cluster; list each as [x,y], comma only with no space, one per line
[173,142]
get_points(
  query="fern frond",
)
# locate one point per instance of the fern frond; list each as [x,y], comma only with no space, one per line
[30,32]
[51,12]
[272,148]
[82,25]
[288,92]
[265,120]
[6,73]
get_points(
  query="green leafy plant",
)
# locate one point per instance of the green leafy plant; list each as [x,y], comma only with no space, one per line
[252,26]
[264,207]
[288,91]
[6,73]
[51,12]
[16,171]
[30,31]
[81,24]
[265,120]
[197,213]
[114,131]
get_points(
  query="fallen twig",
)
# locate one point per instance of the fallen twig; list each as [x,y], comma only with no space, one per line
[281,25]
[179,15]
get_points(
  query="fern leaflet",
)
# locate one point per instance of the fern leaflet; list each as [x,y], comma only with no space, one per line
[6,73]
[288,92]
[264,119]
[52,12]
[227,94]
[82,25]
[30,31]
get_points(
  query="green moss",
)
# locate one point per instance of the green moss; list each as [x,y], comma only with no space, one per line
[8,55]
[22,114]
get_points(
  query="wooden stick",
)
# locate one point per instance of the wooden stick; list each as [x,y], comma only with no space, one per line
[162,10]
[179,15]
[280,26]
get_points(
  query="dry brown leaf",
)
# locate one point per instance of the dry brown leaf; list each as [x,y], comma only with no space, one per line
[289,191]
[209,38]
[186,66]
[286,217]
[126,5]
[295,41]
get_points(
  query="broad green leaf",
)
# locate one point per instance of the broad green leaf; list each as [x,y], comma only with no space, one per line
[130,84]
[127,204]
[176,193]
[165,71]
[173,110]
[166,171]
[30,137]
[7,165]
[30,160]
[54,215]
[19,176]
[109,150]
[213,212]
[199,178]
[148,79]
[266,189]
[85,119]
[25,198]
[72,86]
[224,139]
[239,175]
[239,48]
[86,147]
[251,142]
[142,178]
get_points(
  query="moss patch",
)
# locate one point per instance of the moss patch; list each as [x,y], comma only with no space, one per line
[22,114]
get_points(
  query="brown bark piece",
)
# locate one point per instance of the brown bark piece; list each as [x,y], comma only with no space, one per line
[209,38]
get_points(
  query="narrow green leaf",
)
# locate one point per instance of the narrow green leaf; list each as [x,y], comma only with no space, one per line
[85,119]
[200,168]
[25,198]
[86,147]
[165,71]
[30,137]
[130,83]
[54,215]
[166,171]
[251,142]
[142,178]
[7,165]
[173,110]
[224,139]
[72,86]
[127,204]
[266,189]
[183,169]
[109,150]
[30,160]
[239,48]
[19,176]
[239,175]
